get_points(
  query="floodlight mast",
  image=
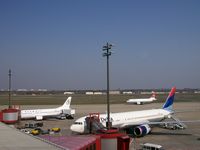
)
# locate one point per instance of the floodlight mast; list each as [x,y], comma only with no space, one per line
[107,53]
[9,88]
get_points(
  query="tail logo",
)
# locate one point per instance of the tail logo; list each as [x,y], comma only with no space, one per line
[67,103]
[170,99]
[153,94]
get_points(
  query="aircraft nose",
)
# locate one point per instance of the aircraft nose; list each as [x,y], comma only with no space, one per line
[73,128]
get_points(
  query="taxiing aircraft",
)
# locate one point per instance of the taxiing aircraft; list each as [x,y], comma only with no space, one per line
[61,112]
[135,123]
[143,100]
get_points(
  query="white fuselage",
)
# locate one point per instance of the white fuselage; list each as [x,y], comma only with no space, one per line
[124,119]
[38,113]
[141,101]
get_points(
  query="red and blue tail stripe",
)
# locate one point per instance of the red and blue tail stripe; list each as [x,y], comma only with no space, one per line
[170,99]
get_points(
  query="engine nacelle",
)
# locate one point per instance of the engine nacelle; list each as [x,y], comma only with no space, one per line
[141,130]
[39,117]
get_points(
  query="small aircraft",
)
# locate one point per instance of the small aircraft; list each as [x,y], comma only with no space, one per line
[136,123]
[61,112]
[143,100]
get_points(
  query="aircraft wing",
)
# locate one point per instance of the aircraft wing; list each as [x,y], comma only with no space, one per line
[183,111]
[163,122]
[134,124]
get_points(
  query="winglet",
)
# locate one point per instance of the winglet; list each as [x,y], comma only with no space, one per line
[170,99]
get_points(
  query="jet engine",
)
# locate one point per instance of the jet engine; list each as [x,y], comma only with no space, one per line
[141,130]
[138,130]
[39,117]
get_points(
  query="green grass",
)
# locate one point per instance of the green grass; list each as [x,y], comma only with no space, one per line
[58,99]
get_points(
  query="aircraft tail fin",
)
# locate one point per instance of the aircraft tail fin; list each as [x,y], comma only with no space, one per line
[170,100]
[67,103]
[153,96]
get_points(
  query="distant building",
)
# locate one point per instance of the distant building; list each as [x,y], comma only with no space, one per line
[68,93]
[127,92]
[22,90]
[197,92]
[98,93]
[114,92]
[89,93]
[42,90]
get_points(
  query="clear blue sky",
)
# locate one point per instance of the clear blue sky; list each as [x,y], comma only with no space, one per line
[58,44]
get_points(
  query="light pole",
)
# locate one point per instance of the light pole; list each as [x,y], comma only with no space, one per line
[107,53]
[9,88]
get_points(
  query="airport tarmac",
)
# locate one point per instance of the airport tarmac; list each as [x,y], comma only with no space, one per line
[12,139]
[169,139]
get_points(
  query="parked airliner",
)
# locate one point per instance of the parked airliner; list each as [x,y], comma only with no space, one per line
[136,123]
[61,112]
[141,101]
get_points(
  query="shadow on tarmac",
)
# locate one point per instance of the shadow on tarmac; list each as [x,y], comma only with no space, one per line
[170,133]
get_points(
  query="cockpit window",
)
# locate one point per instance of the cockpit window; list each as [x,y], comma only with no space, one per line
[78,123]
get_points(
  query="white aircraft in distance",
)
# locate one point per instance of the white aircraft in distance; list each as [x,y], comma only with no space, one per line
[136,123]
[143,100]
[61,112]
